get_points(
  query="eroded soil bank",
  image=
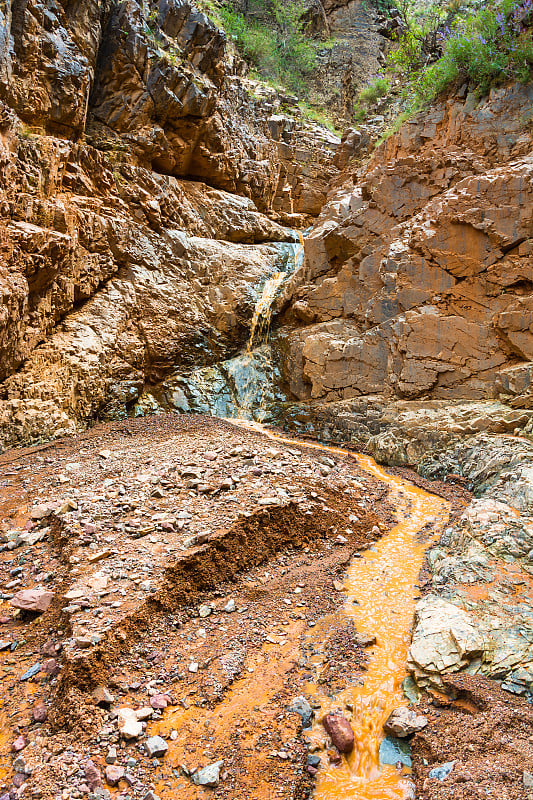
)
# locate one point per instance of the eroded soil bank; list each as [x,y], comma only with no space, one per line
[197,573]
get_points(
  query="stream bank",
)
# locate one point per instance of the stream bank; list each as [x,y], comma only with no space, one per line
[266,524]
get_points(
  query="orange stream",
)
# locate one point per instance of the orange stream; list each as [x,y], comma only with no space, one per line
[383,583]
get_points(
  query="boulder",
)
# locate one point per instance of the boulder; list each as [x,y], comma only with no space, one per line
[445,639]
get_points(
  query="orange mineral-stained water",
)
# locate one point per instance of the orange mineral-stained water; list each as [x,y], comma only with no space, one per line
[380,588]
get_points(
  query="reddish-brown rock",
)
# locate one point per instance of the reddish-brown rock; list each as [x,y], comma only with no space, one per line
[92,775]
[32,600]
[419,269]
[340,732]
[39,712]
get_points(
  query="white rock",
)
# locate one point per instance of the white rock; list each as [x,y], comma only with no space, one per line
[445,638]
[128,724]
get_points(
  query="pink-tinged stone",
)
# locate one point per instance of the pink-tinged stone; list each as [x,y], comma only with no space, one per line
[159,701]
[114,774]
[32,600]
[92,775]
[19,744]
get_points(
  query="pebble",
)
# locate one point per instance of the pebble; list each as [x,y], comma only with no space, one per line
[128,724]
[39,712]
[208,776]
[31,672]
[114,774]
[159,701]
[393,750]
[300,705]
[111,756]
[19,744]
[156,746]
[102,696]
[230,606]
[92,775]
[442,772]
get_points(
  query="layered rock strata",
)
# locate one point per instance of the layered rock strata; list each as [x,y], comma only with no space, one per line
[135,167]
[419,271]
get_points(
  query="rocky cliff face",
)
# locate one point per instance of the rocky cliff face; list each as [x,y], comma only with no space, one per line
[135,163]
[420,269]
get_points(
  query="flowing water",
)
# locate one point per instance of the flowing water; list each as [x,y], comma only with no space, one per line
[246,386]
[380,586]
[380,598]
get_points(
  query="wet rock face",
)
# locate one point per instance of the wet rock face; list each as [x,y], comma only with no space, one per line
[113,270]
[419,272]
[478,614]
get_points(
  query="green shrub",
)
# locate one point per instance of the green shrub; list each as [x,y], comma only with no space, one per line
[379,87]
[319,116]
[487,47]
[275,45]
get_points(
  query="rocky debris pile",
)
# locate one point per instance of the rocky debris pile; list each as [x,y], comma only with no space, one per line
[158,612]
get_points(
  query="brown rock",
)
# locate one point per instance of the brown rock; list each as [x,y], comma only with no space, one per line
[39,712]
[334,757]
[32,600]
[52,667]
[403,722]
[114,775]
[413,274]
[159,701]
[92,775]
[340,732]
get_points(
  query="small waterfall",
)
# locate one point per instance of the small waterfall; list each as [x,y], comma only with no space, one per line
[260,327]
[255,394]
[244,387]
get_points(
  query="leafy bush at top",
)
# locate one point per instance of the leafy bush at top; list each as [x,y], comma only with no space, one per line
[488,47]
[274,44]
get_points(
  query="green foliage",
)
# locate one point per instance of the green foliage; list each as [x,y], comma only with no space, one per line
[379,87]
[275,44]
[483,43]
[487,47]
[319,116]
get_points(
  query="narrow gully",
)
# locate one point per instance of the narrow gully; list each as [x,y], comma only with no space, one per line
[380,599]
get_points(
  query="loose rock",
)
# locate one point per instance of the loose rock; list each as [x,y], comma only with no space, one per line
[340,732]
